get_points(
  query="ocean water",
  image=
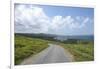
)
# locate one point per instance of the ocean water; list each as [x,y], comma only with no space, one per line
[80,37]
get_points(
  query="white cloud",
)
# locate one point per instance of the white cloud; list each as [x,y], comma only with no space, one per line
[32,19]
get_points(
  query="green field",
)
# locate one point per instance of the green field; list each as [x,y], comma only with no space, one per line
[81,51]
[25,47]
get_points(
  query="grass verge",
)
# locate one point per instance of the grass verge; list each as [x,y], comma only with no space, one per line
[25,47]
[81,52]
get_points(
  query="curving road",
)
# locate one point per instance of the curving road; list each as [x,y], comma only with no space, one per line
[53,54]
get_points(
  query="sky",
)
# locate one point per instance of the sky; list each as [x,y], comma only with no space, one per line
[59,20]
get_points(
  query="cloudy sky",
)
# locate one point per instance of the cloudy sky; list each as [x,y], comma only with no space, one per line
[30,18]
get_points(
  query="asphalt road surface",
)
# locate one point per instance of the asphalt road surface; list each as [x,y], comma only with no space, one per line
[53,54]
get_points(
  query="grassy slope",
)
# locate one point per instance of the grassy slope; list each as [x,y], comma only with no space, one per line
[81,52]
[25,46]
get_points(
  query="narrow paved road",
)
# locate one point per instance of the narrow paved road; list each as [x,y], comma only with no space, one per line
[53,54]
